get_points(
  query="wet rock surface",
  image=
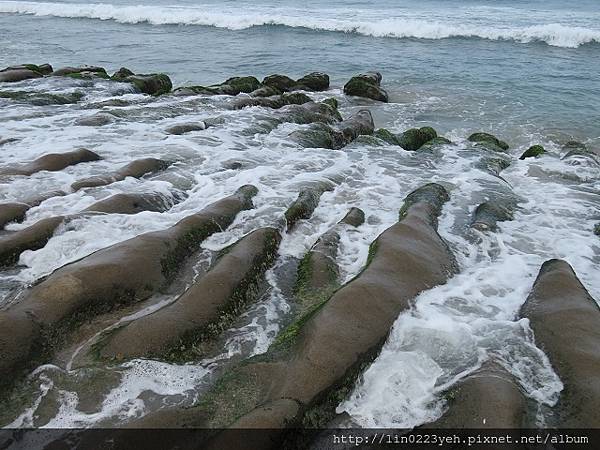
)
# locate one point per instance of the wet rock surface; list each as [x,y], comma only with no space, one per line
[565,318]
[53,162]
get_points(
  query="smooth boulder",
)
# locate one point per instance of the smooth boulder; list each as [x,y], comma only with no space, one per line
[53,162]
[135,169]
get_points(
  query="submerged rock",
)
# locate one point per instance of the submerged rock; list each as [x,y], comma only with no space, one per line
[577,150]
[85,72]
[306,203]
[95,120]
[533,152]
[42,98]
[566,323]
[321,135]
[265,91]
[37,235]
[53,162]
[121,274]
[318,271]
[366,85]
[414,138]
[135,169]
[183,128]
[489,141]
[275,102]
[488,214]
[177,331]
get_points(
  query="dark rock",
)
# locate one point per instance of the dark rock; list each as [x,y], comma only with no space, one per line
[414,138]
[315,81]
[366,85]
[565,320]
[177,331]
[42,98]
[533,152]
[124,273]
[305,204]
[331,101]
[387,136]
[242,84]
[7,141]
[122,74]
[275,102]
[151,84]
[280,82]
[578,150]
[597,229]
[135,169]
[53,162]
[489,141]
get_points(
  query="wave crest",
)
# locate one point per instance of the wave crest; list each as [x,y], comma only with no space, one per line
[553,34]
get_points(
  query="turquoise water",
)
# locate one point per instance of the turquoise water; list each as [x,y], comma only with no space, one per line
[517,67]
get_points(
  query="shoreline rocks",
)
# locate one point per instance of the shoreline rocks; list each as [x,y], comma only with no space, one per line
[366,85]
[135,169]
[124,273]
[489,141]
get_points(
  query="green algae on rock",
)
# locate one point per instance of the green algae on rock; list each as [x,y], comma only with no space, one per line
[533,152]
[366,85]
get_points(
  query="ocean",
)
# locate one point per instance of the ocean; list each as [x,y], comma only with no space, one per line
[524,70]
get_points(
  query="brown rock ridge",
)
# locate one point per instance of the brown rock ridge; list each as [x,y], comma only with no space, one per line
[176,332]
[135,169]
[52,162]
[488,398]
[123,273]
[315,361]
[566,323]
[37,235]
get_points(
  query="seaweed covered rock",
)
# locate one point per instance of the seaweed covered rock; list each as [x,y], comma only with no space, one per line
[414,138]
[124,273]
[566,323]
[178,331]
[151,84]
[121,74]
[366,85]
[322,135]
[315,81]
[135,169]
[24,72]
[84,72]
[274,102]
[52,162]
[533,152]
[306,203]
[489,141]
[387,136]
[43,98]
[265,91]
[318,271]
[282,83]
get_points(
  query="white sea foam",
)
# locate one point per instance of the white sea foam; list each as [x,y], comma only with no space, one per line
[555,34]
